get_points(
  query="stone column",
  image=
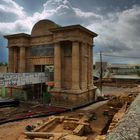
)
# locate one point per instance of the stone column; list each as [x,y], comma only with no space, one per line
[75,65]
[15,59]
[88,65]
[57,65]
[83,83]
[22,60]
[10,61]
[91,67]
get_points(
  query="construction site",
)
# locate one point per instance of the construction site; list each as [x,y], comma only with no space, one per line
[50,92]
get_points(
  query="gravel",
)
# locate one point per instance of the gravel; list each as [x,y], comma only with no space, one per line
[129,126]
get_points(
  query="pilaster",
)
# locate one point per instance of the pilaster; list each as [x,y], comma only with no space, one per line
[57,65]
[91,66]
[15,60]
[10,61]
[75,65]
[83,81]
[22,60]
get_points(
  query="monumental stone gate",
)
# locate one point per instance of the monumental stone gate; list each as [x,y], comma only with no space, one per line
[69,49]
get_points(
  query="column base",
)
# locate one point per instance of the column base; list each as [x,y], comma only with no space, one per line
[72,98]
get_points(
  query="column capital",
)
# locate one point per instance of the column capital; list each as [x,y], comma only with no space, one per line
[22,46]
[75,41]
[56,42]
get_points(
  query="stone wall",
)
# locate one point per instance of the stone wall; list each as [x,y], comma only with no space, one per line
[3,69]
[129,127]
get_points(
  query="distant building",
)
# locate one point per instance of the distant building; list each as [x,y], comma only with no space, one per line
[123,69]
[98,66]
[97,69]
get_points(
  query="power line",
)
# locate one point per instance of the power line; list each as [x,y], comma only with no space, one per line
[120,56]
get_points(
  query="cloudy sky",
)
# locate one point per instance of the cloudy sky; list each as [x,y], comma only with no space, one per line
[117,22]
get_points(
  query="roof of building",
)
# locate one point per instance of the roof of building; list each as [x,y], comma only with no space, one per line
[17,35]
[46,27]
[119,66]
[78,26]
[125,77]
[43,27]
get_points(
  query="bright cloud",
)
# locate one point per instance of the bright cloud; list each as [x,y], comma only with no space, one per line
[83,14]
[9,6]
[118,31]
[53,9]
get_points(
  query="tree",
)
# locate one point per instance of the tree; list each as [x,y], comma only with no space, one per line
[3,64]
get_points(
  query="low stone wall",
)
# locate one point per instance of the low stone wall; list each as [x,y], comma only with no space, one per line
[129,126]
[3,69]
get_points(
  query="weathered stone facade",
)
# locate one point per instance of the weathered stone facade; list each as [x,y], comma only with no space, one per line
[69,49]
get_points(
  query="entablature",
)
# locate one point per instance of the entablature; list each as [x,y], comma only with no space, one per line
[40,40]
[72,35]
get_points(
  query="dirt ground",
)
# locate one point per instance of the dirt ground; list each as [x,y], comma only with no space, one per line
[11,131]
[115,90]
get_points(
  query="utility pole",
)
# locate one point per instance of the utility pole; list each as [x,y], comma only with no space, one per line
[101,71]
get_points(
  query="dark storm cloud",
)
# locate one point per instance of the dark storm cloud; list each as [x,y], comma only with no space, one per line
[121,36]
[105,6]
[7,17]
[31,6]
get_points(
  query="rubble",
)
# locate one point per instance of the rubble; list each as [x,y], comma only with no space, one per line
[128,127]
[117,117]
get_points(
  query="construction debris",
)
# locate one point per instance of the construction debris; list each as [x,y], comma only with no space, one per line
[128,127]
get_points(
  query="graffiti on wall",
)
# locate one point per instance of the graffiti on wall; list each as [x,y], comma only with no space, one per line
[19,79]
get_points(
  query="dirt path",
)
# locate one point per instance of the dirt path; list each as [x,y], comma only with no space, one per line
[94,106]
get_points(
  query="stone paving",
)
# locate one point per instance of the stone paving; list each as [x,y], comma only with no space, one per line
[129,126]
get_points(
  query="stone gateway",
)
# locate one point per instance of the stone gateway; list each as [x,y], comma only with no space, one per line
[69,49]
